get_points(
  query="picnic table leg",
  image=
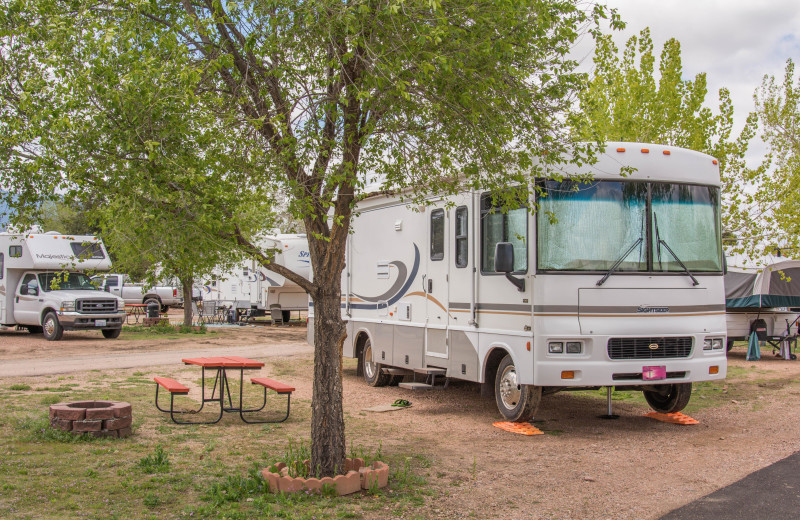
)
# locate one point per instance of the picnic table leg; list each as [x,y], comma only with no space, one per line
[242,411]
[172,411]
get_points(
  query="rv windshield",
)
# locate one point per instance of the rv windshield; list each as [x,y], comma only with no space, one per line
[592,226]
[65,281]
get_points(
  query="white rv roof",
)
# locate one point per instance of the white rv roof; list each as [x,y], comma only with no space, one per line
[56,252]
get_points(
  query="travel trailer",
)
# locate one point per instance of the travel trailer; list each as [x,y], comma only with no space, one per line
[615,282]
[44,285]
[762,300]
[252,289]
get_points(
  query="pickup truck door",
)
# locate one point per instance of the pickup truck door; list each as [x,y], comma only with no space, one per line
[27,301]
[113,286]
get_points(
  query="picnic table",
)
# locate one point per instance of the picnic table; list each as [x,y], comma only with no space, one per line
[225,368]
[136,310]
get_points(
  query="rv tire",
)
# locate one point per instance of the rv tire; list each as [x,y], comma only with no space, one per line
[111,333]
[516,402]
[372,371]
[729,345]
[669,398]
[51,328]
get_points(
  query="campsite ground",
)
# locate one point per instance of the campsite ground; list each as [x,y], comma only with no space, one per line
[582,467]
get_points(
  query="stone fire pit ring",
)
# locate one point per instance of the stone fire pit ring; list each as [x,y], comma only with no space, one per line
[95,418]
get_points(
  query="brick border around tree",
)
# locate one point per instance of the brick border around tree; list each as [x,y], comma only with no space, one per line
[357,476]
[95,418]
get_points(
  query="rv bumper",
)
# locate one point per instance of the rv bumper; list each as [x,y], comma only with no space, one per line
[593,367]
[75,320]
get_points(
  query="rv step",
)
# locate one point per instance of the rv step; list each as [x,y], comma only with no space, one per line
[395,371]
[431,371]
[417,386]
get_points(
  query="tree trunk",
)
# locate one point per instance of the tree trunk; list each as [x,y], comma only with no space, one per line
[187,282]
[328,448]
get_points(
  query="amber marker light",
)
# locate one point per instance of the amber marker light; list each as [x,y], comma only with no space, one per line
[666,152]
[620,149]
[714,161]
[567,374]
[714,369]
[645,150]
[529,346]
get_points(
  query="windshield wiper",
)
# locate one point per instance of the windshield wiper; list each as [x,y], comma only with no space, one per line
[661,242]
[619,261]
[685,269]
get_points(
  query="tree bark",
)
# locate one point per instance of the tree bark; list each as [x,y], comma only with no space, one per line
[328,448]
[187,282]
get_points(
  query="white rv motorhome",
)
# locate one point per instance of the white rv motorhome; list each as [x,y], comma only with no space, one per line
[44,286]
[254,289]
[623,289]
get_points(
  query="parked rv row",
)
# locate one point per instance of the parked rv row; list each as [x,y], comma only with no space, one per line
[45,284]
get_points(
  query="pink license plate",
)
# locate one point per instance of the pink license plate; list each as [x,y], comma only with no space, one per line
[654,373]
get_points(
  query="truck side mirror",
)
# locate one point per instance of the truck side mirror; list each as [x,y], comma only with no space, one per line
[504,263]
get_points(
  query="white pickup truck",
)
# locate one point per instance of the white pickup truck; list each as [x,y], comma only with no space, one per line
[135,293]
[43,289]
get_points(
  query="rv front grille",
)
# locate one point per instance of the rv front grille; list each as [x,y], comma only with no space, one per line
[97,306]
[650,348]
[637,376]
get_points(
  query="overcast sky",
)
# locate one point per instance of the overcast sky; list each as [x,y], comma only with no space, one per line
[735,42]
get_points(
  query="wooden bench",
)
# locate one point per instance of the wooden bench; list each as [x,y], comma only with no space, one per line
[174,387]
[171,386]
[271,384]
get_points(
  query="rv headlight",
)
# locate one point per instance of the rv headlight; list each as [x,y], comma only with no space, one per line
[574,347]
[555,347]
[707,344]
[716,343]
[68,306]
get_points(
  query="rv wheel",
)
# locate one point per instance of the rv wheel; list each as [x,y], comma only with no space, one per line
[669,398]
[516,402]
[111,333]
[729,345]
[51,327]
[372,370]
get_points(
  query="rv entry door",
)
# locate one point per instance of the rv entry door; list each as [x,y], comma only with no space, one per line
[436,289]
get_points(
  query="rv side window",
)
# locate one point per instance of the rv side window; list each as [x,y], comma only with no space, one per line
[1,266]
[87,250]
[437,234]
[497,226]
[462,250]
[15,251]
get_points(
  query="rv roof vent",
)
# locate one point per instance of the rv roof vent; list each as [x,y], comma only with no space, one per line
[52,233]
[398,225]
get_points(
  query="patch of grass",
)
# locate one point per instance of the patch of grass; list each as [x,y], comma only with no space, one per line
[50,399]
[158,462]
[19,386]
[38,429]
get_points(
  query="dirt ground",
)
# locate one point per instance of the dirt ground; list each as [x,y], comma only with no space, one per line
[583,467]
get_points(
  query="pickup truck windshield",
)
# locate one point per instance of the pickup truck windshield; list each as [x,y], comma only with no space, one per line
[65,281]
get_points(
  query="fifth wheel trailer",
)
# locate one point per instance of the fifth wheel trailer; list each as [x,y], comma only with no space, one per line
[624,288]
[252,288]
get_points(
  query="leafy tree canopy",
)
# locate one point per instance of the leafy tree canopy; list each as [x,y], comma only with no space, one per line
[197,112]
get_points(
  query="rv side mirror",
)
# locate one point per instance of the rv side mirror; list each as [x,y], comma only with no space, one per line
[504,263]
[23,290]
[504,257]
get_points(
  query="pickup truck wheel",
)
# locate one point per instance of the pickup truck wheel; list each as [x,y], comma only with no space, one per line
[33,329]
[515,401]
[372,370]
[669,398]
[51,327]
[111,333]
